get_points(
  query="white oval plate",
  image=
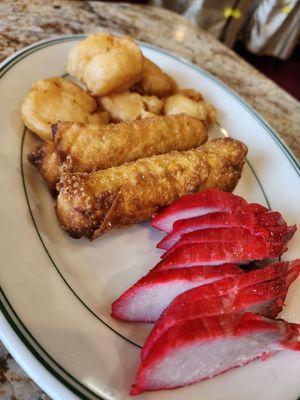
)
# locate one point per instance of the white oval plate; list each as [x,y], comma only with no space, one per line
[56,292]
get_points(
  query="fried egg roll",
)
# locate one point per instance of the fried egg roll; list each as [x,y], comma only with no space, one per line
[89,204]
[46,161]
[83,147]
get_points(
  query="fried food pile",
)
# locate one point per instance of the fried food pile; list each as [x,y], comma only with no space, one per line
[121,140]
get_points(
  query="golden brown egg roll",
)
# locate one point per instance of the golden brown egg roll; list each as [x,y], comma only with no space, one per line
[88,147]
[46,161]
[89,204]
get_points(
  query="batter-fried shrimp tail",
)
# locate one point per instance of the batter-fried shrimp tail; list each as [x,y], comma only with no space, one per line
[128,106]
[106,63]
[89,204]
[190,102]
[154,81]
[58,99]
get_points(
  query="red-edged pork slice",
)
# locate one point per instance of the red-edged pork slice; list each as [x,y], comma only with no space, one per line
[216,253]
[264,296]
[268,273]
[258,224]
[254,208]
[145,300]
[279,234]
[195,205]
[199,349]
[222,235]
[269,303]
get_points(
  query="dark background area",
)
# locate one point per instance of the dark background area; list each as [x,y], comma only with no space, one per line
[285,73]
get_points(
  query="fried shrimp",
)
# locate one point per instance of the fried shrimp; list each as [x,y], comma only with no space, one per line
[192,103]
[128,106]
[154,81]
[106,63]
[58,99]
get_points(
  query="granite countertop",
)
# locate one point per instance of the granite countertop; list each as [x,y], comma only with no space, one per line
[25,22]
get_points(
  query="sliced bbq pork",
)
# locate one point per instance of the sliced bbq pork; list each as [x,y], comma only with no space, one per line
[222,235]
[195,205]
[261,291]
[267,273]
[217,253]
[199,349]
[145,300]
[280,234]
[263,224]
[268,302]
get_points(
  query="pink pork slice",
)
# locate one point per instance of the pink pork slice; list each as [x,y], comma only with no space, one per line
[198,349]
[146,300]
[221,235]
[195,205]
[217,253]
[267,273]
[268,302]
[224,235]
[263,296]
[258,224]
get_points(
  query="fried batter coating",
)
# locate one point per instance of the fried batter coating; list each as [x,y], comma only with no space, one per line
[90,147]
[90,204]
[128,106]
[154,81]
[46,161]
[106,63]
[190,102]
[58,99]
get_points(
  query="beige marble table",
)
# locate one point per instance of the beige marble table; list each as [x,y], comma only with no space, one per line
[25,22]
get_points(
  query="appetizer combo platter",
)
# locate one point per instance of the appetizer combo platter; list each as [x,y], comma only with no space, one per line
[129,264]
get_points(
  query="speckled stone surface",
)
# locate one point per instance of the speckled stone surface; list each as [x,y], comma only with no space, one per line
[25,22]
[14,383]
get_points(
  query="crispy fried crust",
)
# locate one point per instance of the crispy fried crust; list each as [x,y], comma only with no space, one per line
[128,106]
[45,159]
[90,204]
[190,102]
[106,63]
[88,147]
[154,81]
[58,99]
